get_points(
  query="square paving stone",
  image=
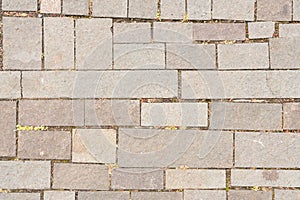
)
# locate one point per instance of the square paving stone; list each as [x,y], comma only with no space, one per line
[76,7]
[199,9]
[261,29]
[274,10]
[172,9]
[10,84]
[291,116]
[142,9]
[110,8]
[22,43]
[132,32]
[50,6]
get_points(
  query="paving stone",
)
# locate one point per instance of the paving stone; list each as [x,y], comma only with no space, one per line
[94,145]
[199,10]
[291,115]
[56,195]
[77,7]
[289,30]
[137,178]
[59,43]
[93,43]
[172,9]
[219,31]
[17,196]
[267,150]
[191,56]
[110,8]
[248,194]
[7,126]
[243,56]
[132,32]
[51,6]
[51,112]
[284,53]
[195,179]
[296,10]
[25,175]
[164,148]
[174,114]
[10,85]
[172,32]
[19,5]
[268,178]
[233,9]
[107,195]
[44,145]
[104,84]
[240,84]
[261,29]
[112,112]
[274,10]
[142,9]
[156,195]
[80,176]
[139,56]
[287,194]
[204,194]
[246,116]
[22,43]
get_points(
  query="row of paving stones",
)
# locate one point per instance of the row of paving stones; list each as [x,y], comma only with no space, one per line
[275,10]
[97,177]
[186,195]
[150,84]
[95,48]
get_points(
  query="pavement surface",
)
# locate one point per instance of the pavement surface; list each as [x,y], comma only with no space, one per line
[150,100]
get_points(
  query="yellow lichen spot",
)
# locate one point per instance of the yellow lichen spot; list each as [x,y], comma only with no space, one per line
[229,41]
[185,18]
[158,17]
[183,167]
[31,128]
[171,128]
[111,167]
[255,188]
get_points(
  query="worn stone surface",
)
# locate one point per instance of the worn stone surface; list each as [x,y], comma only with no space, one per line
[174,114]
[93,43]
[240,84]
[10,85]
[137,178]
[7,126]
[243,56]
[172,32]
[50,6]
[194,179]
[291,115]
[191,56]
[19,5]
[287,194]
[80,176]
[94,145]
[246,116]
[22,43]
[233,10]
[289,30]
[274,10]
[110,8]
[139,56]
[267,150]
[112,112]
[199,10]
[51,112]
[59,43]
[268,178]
[78,7]
[204,194]
[25,174]
[284,53]
[132,32]
[55,195]
[261,29]
[44,145]
[172,9]
[248,194]
[219,31]
[107,195]
[163,148]
[156,195]
[142,9]
[104,84]
[17,196]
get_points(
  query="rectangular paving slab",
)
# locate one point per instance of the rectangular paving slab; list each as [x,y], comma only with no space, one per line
[17,196]
[204,194]
[107,195]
